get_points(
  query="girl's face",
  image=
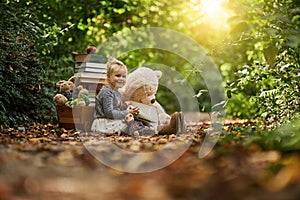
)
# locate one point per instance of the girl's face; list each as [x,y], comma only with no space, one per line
[118,78]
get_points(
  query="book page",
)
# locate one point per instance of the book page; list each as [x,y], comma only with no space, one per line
[147,112]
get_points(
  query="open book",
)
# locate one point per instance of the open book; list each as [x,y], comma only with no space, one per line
[147,113]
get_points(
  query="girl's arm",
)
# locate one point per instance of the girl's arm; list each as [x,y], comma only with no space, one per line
[124,105]
[109,110]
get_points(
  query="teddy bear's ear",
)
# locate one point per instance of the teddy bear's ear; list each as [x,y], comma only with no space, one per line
[72,79]
[158,73]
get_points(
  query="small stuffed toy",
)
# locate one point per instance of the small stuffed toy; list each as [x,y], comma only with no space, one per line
[137,128]
[66,87]
[82,95]
[131,130]
[79,97]
[65,90]
[60,99]
[79,102]
[70,95]
[82,90]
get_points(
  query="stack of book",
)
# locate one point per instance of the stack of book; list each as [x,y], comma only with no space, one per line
[90,70]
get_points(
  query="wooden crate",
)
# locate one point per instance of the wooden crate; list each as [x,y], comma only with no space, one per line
[78,117]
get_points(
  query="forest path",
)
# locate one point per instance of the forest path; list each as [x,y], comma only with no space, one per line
[46,162]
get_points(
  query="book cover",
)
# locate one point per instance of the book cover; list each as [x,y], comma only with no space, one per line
[90,69]
[91,81]
[90,64]
[90,58]
[147,112]
[92,86]
[91,75]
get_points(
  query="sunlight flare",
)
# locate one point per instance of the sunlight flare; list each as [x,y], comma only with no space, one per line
[214,12]
[211,7]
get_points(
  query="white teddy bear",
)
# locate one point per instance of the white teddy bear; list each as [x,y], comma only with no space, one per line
[141,86]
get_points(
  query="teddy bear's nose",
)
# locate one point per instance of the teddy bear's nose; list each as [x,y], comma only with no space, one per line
[152,101]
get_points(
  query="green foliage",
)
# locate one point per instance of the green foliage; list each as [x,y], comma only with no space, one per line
[268,71]
[285,138]
[257,134]
[262,47]
[241,106]
[274,91]
[25,94]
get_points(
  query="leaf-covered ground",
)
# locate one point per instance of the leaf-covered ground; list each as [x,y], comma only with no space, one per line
[48,162]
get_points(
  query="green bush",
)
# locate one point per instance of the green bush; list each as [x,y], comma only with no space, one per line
[25,94]
[276,90]
[270,71]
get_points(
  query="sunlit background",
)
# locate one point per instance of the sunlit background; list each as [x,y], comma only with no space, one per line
[207,21]
[235,34]
[215,12]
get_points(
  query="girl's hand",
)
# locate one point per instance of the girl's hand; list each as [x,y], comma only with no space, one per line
[133,110]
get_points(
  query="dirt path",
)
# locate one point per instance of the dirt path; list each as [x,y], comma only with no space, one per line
[44,162]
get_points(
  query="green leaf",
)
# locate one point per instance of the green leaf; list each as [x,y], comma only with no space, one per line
[270,55]
[295,18]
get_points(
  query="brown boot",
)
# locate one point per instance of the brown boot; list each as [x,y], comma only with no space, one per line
[182,123]
[176,125]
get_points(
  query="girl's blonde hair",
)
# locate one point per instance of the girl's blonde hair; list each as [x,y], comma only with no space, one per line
[114,65]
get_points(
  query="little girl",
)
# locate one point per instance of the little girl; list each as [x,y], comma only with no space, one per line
[109,109]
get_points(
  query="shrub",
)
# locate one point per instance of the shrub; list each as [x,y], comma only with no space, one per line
[25,96]
[275,88]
